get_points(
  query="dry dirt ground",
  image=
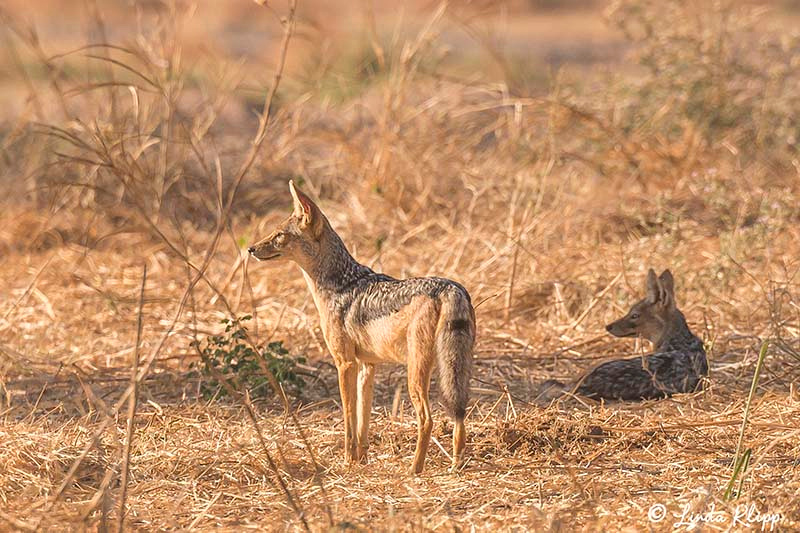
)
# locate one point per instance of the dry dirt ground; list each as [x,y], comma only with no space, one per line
[545,205]
[193,463]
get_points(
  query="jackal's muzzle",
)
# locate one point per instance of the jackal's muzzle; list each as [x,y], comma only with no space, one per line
[264,251]
[621,330]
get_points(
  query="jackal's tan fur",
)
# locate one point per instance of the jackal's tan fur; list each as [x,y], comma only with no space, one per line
[368,318]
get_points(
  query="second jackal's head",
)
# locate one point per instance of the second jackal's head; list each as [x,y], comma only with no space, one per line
[298,236]
[650,316]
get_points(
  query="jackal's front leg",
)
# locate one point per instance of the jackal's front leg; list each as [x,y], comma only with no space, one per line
[366,375]
[348,388]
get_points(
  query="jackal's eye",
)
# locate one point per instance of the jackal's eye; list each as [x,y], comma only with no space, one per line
[634,316]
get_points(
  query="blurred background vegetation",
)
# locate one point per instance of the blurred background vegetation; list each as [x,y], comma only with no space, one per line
[532,150]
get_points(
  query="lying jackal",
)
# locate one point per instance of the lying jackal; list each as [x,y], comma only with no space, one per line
[367,318]
[677,364]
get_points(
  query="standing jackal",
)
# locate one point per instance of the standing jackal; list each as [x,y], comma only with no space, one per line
[367,318]
[677,364]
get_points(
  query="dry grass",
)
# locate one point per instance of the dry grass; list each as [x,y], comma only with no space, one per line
[547,195]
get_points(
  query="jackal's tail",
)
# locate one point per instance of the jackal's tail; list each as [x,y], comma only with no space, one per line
[655,376]
[455,338]
[551,390]
[617,379]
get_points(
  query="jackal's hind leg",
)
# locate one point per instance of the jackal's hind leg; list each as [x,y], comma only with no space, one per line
[418,389]
[459,443]
[421,359]
[366,375]
[348,388]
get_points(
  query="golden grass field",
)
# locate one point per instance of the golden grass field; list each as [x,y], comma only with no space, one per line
[544,154]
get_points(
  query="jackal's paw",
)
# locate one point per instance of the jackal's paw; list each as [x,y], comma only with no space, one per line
[457,466]
[415,470]
[361,456]
[350,456]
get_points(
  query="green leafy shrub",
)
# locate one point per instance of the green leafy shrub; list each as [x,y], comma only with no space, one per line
[231,357]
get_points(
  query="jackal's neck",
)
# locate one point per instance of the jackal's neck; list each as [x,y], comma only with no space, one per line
[333,269]
[677,336]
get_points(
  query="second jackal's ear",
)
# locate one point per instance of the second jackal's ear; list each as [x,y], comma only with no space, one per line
[304,209]
[667,284]
[653,289]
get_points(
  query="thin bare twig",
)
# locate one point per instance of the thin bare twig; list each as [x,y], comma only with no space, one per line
[126,454]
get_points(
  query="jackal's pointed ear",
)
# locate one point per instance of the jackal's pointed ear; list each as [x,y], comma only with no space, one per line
[653,289]
[667,284]
[304,208]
